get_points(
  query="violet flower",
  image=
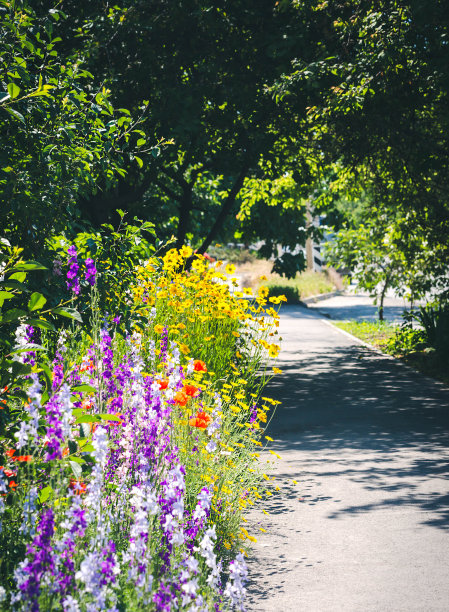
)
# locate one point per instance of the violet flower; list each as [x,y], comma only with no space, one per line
[73,282]
[91,271]
[39,561]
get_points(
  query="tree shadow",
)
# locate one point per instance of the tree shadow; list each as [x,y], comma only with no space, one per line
[356,399]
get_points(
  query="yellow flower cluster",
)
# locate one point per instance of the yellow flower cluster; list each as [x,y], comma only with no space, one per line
[195,302]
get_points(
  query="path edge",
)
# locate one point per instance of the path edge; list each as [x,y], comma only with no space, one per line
[374,349]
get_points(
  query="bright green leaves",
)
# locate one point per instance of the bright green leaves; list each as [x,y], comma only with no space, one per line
[70,313]
[36,301]
[13,90]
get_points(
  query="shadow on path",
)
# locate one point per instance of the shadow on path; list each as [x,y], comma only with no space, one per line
[355,399]
[368,441]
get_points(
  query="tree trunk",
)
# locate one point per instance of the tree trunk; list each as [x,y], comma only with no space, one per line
[185,207]
[225,210]
[382,298]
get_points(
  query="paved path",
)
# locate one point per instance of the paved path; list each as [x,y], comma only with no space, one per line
[360,307]
[367,526]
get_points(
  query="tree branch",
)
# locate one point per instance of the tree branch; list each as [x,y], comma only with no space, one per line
[225,209]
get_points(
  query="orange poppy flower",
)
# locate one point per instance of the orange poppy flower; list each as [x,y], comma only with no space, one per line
[181,398]
[23,458]
[10,452]
[87,404]
[13,485]
[201,420]
[78,486]
[191,390]
[199,366]
[163,384]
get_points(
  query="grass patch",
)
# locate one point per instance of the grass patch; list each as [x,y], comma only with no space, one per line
[383,335]
[303,285]
[377,333]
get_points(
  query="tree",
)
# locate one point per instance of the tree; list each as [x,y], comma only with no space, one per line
[206,69]
[385,112]
[60,136]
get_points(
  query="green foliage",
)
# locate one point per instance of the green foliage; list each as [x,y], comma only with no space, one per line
[60,135]
[124,249]
[434,319]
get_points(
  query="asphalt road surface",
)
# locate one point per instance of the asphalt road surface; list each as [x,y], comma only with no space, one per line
[366,527]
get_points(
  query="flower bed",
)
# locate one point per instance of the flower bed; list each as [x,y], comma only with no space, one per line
[129,464]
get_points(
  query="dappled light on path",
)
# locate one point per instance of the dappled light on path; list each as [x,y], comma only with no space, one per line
[367,440]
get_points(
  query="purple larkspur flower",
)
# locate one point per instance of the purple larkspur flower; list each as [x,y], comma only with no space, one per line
[91,271]
[73,282]
[164,344]
[235,589]
[57,267]
[39,561]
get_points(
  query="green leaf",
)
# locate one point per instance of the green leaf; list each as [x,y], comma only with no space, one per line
[5,295]
[13,315]
[47,373]
[28,348]
[109,417]
[45,493]
[15,114]
[29,265]
[87,418]
[139,161]
[42,324]
[87,448]
[13,284]
[84,389]
[18,276]
[70,313]
[13,90]
[76,469]
[141,142]
[36,301]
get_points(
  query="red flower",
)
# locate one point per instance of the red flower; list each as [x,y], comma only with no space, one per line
[10,452]
[181,398]
[78,486]
[199,366]
[23,458]
[201,420]
[191,391]
[13,485]
[163,384]
[8,473]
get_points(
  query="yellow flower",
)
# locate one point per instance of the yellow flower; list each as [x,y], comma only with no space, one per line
[277,371]
[273,351]
[185,252]
[230,269]
[184,349]
[158,329]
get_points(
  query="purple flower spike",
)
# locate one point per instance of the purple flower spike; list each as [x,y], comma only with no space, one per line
[39,561]
[73,282]
[91,271]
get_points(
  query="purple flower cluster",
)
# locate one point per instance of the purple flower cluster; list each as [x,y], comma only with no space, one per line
[73,282]
[39,561]
[132,516]
[91,271]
